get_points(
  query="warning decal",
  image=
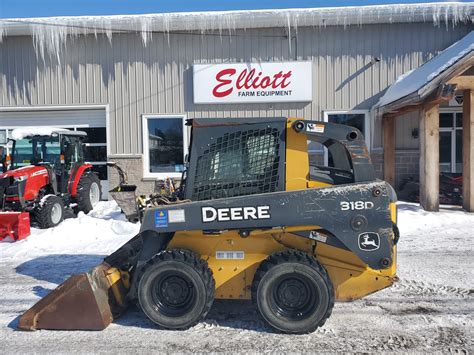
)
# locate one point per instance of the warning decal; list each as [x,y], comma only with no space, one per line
[161,218]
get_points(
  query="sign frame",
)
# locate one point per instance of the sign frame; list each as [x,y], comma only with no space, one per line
[253,82]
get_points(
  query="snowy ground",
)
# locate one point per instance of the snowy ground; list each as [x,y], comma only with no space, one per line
[430,309]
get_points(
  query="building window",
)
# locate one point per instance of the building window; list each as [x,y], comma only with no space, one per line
[450,142]
[355,118]
[164,145]
[95,149]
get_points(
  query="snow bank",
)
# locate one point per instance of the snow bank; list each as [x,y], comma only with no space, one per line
[415,223]
[415,80]
[50,34]
[20,133]
[100,232]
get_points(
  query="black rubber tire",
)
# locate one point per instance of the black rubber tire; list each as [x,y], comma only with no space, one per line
[83,189]
[171,270]
[42,213]
[284,274]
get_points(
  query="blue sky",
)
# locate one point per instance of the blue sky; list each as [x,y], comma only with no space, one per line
[40,8]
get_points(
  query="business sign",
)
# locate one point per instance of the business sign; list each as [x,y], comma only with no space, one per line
[252,82]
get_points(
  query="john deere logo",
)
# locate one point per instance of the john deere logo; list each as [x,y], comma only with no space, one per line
[369,241]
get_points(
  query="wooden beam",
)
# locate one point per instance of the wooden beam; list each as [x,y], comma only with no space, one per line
[468,150]
[388,124]
[463,82]
[429,158]
[442,94]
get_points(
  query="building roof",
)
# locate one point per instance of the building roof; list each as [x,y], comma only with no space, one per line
[448,12]
[417,84]
[51,33]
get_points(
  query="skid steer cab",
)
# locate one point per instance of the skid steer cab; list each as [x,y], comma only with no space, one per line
[253,219]
[45,174]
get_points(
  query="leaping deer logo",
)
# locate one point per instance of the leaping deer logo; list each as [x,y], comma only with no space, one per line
[369,241]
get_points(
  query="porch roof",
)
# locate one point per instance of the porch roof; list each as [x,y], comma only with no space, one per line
[416,85]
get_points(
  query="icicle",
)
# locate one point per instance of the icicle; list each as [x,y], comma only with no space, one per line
[289,31]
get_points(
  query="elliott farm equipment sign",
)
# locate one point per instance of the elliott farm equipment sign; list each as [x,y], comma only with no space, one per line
[252,82]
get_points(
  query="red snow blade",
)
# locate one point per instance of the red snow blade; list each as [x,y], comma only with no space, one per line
[87,301]
[15,225]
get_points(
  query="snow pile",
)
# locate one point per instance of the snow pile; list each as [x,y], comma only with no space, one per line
[101,232]
[449,230]
[50,34]
[20,133]
[415,80]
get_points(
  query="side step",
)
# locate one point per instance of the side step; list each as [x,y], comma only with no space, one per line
[87,301]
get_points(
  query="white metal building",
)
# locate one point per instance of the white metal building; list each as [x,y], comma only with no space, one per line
[133,80]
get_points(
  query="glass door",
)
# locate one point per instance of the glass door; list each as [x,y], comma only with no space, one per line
[450,142]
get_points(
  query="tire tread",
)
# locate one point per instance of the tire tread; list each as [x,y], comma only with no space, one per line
[41,214]
[192,259]
[82,194]
[295,256]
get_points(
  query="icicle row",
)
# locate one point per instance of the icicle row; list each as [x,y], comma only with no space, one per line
[50,34]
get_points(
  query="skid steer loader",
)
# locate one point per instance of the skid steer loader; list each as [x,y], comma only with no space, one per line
[251,220]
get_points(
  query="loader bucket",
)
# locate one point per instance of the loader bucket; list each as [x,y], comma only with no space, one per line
[87,301]
[126,199]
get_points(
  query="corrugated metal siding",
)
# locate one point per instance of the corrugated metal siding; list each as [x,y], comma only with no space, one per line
[60,118]
[134,79]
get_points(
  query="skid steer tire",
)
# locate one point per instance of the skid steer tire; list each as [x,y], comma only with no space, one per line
[293,292]
[176,289]
[50,212]
[88,192]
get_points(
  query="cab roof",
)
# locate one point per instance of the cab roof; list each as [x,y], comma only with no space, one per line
[20,133]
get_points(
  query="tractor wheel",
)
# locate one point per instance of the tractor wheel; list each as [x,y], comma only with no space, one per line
[176,289]
[88,193]
[293,292]
[50,211]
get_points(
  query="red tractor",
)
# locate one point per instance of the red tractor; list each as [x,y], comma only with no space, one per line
[45,174]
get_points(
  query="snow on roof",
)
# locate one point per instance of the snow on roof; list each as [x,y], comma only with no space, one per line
[20,133]
[50,33]
[416,79]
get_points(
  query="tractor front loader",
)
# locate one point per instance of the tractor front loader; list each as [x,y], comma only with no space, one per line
[252,220]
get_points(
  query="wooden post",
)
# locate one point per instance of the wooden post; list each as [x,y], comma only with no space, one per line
[429,158]
[388,124]
[468,150]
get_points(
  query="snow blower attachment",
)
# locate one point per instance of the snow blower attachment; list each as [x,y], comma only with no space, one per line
[254,218]
[14,225]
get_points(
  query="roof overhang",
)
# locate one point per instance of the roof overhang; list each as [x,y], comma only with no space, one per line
[437,85]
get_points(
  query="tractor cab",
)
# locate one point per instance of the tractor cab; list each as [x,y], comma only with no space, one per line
[57,150]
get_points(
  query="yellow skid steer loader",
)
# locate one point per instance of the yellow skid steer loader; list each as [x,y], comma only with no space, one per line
[252,219]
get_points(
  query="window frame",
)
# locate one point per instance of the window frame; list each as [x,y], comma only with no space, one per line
[368,130]
[145,145]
